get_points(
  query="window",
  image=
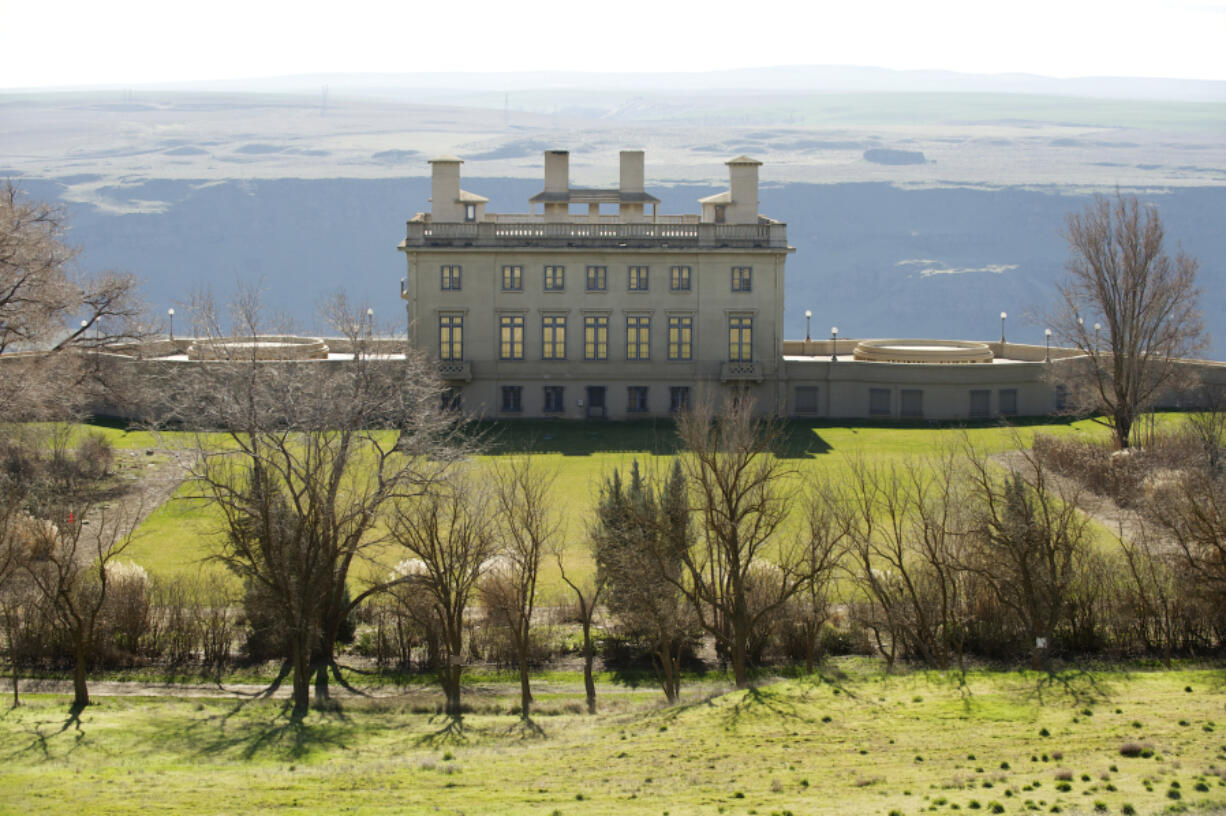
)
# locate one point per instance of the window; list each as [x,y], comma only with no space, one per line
[679,278]
[680,337]
[449,399]
[636,402]
[555,278]
[639,278]
[597,278]
[553,337]
[595,337]
[740,339]
[638,337]
[1061,397]
[1008,401]
[470,213]
[878,402]
[980,404]
[678,398]
[451,337]
[721,211]
[512,399]
[806,399]
[911,403]
[512,278]
[742,278]
[554,401]
[449,278]
[510,337]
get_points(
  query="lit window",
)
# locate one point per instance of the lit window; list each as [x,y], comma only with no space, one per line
[678,398]
[512,278]
[595,337]
[554,401]
[911,403]
[512,399]
[555,278]
[742,278]
[553,337]
[679,278]
[680,337]
[740,339]
[879,402]
[510,337]
[639,278]
[638,337]
[597,278]
[636,402]
[806,399]
[451,337]
[450,278]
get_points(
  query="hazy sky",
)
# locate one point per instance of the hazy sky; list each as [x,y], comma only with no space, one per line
[129,42]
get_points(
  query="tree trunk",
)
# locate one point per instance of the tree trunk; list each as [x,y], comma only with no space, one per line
[739,672]
[321,680]
[589,683]
[525,691]
[302,674]
[80,691]
[451,689]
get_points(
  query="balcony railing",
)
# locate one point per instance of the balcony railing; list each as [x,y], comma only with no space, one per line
[455,370]
[741,371]
[424,233]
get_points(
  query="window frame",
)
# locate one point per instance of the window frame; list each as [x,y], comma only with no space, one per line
[911,411]
[740,338]
[638,327]
[450,347]
[742,279]
[596,338]
[887,395]
[680,278]
[553,399]
[512,399]
[553,346]
[554,278]
[799,407]
[450,277]
[678,398]
[678,326]
[638,278]
[597,275]
[514,323]
[637,399]
[984,394]
[515,272]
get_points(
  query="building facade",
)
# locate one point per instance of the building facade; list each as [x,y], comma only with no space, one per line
[580,312]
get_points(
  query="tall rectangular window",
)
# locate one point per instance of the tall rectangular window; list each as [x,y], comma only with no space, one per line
[512,278]
[596,337]
[678,398]
[510,337]
[450,399]
[742,278]
[679,278]
[512,399]
[554,402]
[553,337]
[636,402]
[879,402]
[555,278]
[740,339]
[806,399]
[449,277]
[451,337]
[638,279]
[980,403]
[911,403]
[597,278]
[680,337]
[1007,399]
[638,337]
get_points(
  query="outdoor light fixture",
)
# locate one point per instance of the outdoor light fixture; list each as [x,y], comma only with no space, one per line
[1097,328]
[808,314]
[1047,333]
[1003,315]
[834,344]
[171,314]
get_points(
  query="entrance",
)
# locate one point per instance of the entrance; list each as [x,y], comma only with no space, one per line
[595,402]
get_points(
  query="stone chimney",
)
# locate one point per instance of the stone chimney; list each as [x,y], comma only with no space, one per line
[743,188]
[557,184]
[445,203]
[631,182]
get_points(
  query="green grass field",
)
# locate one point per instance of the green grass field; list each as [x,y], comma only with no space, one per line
[853,741]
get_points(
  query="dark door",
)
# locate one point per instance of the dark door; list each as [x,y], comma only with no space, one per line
[595,402]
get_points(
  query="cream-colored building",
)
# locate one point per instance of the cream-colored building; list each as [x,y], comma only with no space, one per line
[597,305]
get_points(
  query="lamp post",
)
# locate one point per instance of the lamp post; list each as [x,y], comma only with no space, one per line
[1047,334]
[834,344]
[171,314]
[1003,315]
[370,322]
[1097,327]
[808,314]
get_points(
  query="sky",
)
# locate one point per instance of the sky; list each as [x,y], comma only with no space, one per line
[136,42]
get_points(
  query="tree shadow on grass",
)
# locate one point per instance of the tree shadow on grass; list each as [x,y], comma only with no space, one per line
[1080,686]
[278,730]
[40,737]
[759,701]
[452,732]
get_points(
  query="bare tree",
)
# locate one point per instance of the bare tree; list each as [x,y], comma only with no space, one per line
[587,595]
[449,532]
[739,495]
[1119,275]
[527,528]
[1156,578]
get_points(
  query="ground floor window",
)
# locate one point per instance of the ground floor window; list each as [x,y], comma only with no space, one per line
[449,399]
[879,402]
[981,406]
[678,398]
[806,399]
[911,403]
[554,402]
[1008,401]
[636,402]
[512,399]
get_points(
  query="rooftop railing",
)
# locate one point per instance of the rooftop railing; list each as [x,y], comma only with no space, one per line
[584,233]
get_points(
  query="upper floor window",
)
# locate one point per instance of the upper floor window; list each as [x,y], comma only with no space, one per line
[555,278]
[451,337]
[449,277]
[638,337]
[595,337]
[470,213]
[512,278]
[553,337]
[721,213]
[597,278]
[679,278]
[510,337]
[742,278]
[639,278]
[740,339]
[680,337]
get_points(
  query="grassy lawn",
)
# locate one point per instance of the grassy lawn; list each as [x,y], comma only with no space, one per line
[853,741]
